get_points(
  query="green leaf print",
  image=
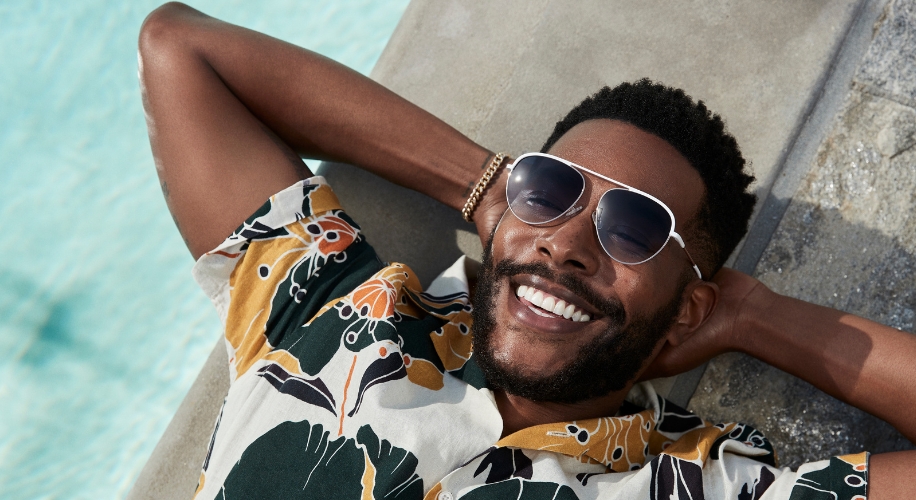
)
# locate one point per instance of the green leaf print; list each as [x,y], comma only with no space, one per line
[299,460]
[837,481]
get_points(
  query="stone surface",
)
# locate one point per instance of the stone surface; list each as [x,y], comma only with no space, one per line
[888,68]
[802,423]
[848,241]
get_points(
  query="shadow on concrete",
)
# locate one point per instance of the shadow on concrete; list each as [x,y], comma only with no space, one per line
[819,256]
[403,225]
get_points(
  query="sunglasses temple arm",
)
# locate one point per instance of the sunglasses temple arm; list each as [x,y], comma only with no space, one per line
[695,268]
[680,242]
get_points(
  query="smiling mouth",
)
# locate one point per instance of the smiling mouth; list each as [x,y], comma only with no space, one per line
[545,304]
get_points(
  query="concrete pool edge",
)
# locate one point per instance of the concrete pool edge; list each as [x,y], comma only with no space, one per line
[173,468]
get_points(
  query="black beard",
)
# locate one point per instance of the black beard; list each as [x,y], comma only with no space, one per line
[605,365]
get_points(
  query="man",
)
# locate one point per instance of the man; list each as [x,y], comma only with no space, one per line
[602,267]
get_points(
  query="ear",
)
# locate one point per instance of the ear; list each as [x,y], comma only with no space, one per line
[697,305]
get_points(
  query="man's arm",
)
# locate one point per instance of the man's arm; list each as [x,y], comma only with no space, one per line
[865,364]
[230,110]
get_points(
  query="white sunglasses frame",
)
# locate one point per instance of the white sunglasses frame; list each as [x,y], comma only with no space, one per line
[573,209]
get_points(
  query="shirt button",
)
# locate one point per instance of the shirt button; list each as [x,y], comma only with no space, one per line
[445,495]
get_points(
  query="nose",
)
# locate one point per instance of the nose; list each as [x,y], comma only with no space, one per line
[571,245]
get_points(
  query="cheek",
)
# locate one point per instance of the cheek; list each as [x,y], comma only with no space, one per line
[643,291]
[512,240]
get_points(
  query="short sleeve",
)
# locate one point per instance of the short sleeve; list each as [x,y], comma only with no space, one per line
[838,478]
[293,255]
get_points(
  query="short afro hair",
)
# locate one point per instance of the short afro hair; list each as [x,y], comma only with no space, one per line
[700,136]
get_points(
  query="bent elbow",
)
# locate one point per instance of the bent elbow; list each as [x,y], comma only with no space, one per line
[164,27]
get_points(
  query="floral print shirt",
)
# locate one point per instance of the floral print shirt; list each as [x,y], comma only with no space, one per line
[351,381]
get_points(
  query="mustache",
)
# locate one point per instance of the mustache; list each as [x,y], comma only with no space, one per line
[610,307]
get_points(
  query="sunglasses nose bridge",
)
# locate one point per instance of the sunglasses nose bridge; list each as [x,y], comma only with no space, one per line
[570,243]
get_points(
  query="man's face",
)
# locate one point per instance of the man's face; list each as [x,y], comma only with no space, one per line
[541,356]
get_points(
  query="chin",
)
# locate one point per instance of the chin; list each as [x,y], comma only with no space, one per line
[524,364]
[557,368]
[528,353]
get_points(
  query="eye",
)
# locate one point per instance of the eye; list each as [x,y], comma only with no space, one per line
[540,203]
[540,199]
[629,241]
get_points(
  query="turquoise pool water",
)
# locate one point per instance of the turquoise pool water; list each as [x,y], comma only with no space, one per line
[102,329]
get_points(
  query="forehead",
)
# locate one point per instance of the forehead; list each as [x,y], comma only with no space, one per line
[637,158]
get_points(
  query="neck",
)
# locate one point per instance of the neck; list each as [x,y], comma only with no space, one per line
[519,413]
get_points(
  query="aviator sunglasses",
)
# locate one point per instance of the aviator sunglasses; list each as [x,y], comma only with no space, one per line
[632,226]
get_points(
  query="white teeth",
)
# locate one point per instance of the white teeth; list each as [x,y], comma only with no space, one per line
[548,303]
[541,313]
[551,304]
[568,312]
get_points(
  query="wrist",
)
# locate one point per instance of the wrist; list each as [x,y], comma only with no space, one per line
[494,167]
[755,319]
[492,202]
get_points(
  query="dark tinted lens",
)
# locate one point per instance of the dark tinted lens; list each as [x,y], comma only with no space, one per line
[631,227]
[540,189]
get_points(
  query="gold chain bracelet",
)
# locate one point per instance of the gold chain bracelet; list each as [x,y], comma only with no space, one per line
[471,205]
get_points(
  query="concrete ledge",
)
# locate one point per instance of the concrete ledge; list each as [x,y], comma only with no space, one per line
[173,469]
